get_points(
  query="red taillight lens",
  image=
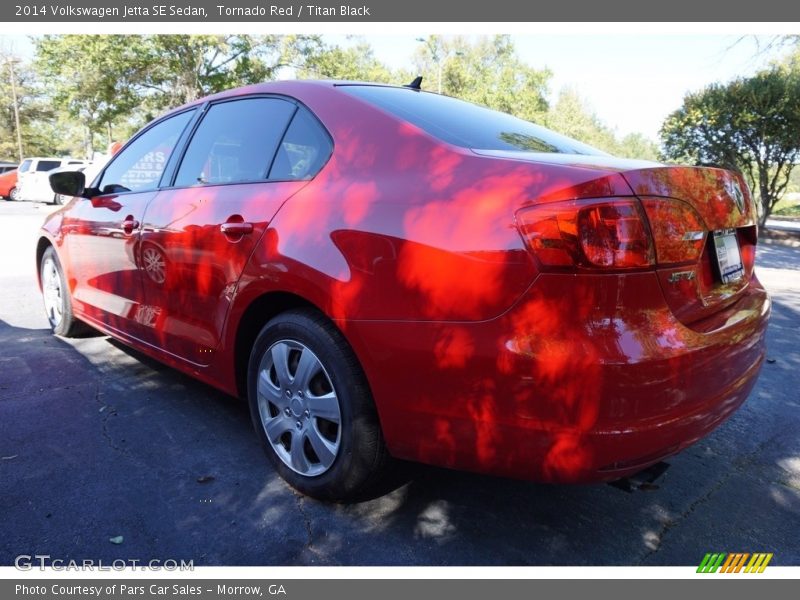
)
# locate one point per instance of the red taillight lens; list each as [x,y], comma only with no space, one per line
[678,231]
[748,239]
[607,233]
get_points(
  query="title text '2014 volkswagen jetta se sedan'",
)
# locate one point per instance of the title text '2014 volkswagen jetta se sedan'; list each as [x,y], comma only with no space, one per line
[389,273]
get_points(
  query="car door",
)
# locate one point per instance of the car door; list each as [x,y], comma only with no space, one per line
[102,232]
[198,235]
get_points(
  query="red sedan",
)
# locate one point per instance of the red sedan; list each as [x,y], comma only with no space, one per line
[8,185]
[388,273]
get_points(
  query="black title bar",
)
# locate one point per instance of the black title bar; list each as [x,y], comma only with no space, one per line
[397,11]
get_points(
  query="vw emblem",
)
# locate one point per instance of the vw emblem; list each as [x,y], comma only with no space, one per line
[735,192]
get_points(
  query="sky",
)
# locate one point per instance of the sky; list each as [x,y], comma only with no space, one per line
[630,81]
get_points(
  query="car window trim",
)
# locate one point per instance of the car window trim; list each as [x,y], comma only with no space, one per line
[196,126]
[324,130]
[166,182]
[280,142]
[176,156]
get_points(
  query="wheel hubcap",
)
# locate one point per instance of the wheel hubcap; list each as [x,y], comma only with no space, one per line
[299,408]
[154,265]
[51,290]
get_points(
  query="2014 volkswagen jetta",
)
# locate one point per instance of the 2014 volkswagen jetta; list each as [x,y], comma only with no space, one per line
[385,272]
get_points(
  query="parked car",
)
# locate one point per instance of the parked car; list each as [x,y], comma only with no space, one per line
[33,184]
[389,273]
[5,167]
[8,185]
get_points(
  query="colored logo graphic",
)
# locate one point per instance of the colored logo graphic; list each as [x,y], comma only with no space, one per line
[734,562]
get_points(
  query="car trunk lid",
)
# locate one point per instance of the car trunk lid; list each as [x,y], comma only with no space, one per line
[720,223]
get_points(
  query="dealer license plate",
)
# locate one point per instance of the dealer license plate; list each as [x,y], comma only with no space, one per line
[729,259]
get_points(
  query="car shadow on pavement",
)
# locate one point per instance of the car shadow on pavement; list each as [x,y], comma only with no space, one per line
[106,442]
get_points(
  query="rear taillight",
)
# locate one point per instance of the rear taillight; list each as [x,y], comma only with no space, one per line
[748,240]
[678,231]
[598,234]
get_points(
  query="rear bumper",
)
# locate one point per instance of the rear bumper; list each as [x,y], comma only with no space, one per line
[585,379]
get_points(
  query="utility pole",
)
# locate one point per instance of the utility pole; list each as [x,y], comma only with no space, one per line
[434,49]
[16,105]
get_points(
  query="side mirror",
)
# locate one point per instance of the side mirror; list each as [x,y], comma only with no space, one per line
[68,183]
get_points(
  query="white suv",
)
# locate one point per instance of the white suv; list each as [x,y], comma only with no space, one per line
[32,178]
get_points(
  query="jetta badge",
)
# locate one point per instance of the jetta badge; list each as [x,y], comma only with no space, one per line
[735,192]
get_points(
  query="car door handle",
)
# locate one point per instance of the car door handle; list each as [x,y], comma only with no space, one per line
[236,229]
[129,224]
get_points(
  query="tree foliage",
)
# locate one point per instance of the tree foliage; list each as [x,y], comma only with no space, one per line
[181,68]
[571,116]
[750,124]
[103,81]
[83,91]
[487,71]
[93,79]
[314,59]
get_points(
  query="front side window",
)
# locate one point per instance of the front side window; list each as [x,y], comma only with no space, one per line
[235,142]
[139,166]
[26,164]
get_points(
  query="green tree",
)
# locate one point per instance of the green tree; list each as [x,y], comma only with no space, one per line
[181,68]
[106,82]
[487,71]
[637,145]
[36,113]
[750,124]
[571,116]
[94,79]
[315,59]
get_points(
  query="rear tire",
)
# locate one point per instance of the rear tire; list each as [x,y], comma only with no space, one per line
[57,300]
[13,195]
[312,409]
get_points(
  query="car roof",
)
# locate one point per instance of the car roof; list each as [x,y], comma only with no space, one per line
[290,87]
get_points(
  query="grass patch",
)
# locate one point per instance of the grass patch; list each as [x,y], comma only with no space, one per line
[792,210]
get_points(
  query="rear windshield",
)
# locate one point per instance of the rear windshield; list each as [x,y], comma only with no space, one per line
[467,125]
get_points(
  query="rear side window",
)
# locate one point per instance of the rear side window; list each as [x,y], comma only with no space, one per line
[235,142]
[468,125]
[47,165]
[26,164]
[304,149]
[139,166]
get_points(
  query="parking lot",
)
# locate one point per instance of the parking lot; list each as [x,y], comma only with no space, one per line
[98,442]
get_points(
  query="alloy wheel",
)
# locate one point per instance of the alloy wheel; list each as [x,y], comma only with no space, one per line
[52,292]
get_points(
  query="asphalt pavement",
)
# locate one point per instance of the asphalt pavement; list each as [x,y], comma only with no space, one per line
[98,443]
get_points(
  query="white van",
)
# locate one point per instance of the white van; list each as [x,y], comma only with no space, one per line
[32,176]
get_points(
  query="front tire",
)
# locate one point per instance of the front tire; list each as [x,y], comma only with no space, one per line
[57,301]
[312,408]
[13,195]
